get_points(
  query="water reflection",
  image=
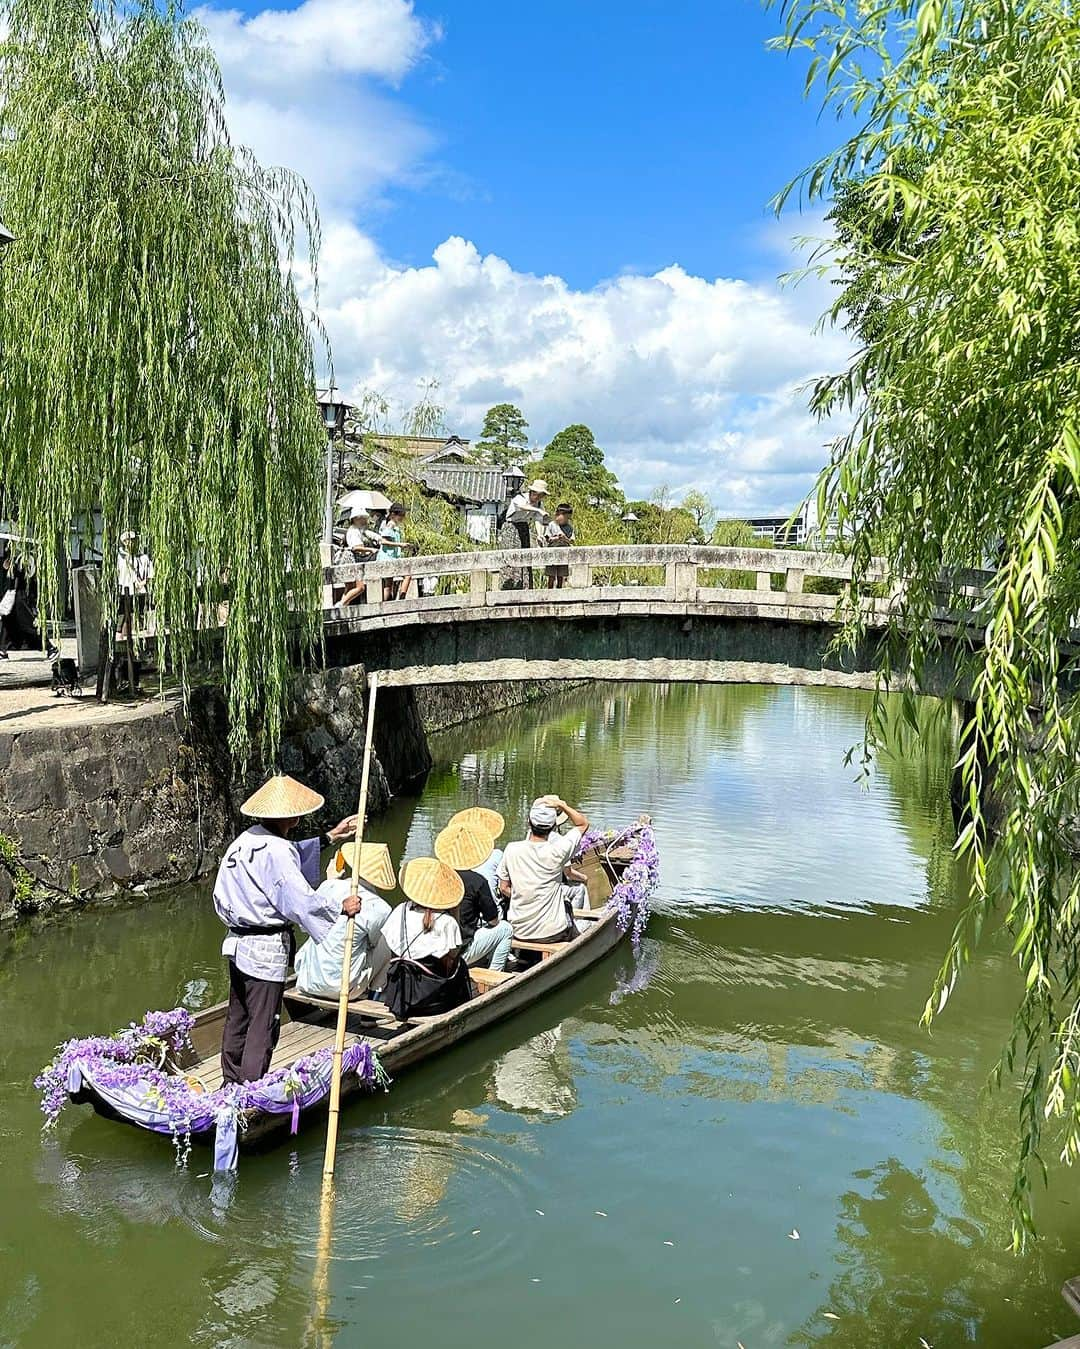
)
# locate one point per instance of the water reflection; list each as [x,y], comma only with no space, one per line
[536,1077]
[629,1159]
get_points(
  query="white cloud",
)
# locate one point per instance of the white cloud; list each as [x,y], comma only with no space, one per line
[304,46]
[685,380]
[308,88]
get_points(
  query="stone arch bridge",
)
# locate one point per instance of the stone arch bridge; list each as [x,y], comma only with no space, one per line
[647,613]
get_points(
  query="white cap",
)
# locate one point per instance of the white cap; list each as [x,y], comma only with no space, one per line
[539,486]
[543,815]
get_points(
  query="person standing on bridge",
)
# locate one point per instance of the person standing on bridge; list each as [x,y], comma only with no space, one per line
[526,515]
[264,885]
[559,533]
[363,544]
[393,547]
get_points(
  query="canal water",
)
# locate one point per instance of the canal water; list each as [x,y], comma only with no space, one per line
[746,1138]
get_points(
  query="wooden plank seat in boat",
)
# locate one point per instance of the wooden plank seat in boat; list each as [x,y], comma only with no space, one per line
[366,1008]
[484,978]
[546,949]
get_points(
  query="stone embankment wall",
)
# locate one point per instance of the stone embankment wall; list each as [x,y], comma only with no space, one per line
[148,797]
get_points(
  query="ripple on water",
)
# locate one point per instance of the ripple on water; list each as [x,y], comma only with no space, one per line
[395,1190]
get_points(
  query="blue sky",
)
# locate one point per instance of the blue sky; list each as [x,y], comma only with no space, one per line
[564,204]
[591,138]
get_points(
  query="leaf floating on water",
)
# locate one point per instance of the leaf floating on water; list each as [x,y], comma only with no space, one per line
[830,1316]
[467,1119]
[541,1213]
[476,1231]
[794,1234]
[925,1343]
[677,1301]
[600,1213]
[669,1243]
[534,1280]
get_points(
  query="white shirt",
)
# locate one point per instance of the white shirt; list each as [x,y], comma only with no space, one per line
[522,511]
[405,935]
[490,872]
[261,883]
[557,534]
[134,572]
[535,872]
[356,538]
[318,963]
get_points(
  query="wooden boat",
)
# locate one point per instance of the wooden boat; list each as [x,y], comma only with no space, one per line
[308,1024]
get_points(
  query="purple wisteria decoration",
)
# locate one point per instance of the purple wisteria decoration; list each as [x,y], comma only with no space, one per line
[129,1071]
[632,895]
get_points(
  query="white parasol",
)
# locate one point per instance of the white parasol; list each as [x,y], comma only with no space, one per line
[364,501]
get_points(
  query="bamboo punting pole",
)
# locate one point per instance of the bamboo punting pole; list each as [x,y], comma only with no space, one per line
[319,1333]
[343,997]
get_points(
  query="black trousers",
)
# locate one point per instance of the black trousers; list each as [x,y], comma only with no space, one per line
[252,1026]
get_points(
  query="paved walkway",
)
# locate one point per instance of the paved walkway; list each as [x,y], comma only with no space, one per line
[27,700]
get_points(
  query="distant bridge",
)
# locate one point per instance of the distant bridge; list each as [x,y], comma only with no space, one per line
[666,613]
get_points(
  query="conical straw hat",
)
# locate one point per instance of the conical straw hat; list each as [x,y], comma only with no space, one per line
[431,884]
[481,819]
[282,798]
[462,848]
[374,866]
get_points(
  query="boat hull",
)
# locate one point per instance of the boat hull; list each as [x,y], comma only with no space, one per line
[430,1035]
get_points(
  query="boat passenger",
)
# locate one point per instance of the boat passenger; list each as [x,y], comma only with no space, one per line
[485,933]
[318,963]
[427,975]
[534,874]
[265,884]
[490,822]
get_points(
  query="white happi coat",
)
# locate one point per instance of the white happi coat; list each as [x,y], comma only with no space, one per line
[264,880]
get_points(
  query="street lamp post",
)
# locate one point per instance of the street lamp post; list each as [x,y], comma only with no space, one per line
[333,410]
[512,481]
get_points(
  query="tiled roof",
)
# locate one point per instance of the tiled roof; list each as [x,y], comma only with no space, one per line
[417,446]
[466,483]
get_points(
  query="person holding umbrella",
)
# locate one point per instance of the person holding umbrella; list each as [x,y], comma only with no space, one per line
[363,545]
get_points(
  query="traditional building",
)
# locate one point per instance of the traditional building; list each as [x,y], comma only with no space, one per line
[780,530]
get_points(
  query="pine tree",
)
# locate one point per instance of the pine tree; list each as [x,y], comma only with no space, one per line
[504,437]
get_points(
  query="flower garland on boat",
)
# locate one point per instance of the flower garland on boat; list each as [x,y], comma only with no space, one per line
[130,1072]
[631,898]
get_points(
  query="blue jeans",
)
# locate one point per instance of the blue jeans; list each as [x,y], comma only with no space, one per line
[493,942]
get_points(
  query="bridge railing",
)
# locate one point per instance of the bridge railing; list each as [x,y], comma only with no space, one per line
[689,573]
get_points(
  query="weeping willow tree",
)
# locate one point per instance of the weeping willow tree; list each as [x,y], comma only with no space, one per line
[959,267]
[156,360]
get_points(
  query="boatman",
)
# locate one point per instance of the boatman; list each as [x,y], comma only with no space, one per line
[265,884]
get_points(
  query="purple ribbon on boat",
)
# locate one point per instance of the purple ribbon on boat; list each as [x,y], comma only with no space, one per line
[166,1103]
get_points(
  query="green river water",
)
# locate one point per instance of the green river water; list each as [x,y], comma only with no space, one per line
[627,1163]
